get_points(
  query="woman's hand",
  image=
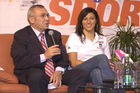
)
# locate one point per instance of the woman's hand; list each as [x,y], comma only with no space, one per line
[73,59]
[111,64]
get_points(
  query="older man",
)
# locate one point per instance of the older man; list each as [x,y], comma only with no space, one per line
[38,61]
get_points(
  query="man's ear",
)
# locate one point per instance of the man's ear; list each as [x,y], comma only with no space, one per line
[32,20]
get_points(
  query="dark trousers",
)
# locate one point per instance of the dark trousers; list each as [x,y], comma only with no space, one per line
[98,69]
[98,62]
[38,81]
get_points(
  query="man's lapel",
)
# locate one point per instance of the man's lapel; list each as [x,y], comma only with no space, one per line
[35,40]
[48,38]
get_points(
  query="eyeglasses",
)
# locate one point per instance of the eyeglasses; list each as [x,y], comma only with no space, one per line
[44,15]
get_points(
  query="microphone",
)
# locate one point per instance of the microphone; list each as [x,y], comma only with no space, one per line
[51,34]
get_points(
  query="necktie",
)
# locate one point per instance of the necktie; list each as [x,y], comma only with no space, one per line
[49,66]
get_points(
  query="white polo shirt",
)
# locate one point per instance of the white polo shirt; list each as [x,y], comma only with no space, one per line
[88,48]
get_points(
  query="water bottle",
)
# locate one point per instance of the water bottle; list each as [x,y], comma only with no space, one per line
[127,73]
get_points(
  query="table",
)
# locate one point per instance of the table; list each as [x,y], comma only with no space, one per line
[108,87]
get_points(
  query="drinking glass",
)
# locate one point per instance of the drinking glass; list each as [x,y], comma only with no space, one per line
[118,82]
[137,73]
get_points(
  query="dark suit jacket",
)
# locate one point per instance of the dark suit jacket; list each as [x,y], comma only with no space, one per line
[26,50]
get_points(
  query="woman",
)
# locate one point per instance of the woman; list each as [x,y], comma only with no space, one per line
[88,48]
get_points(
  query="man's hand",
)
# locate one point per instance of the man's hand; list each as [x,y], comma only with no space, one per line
[56,78]
[52,51]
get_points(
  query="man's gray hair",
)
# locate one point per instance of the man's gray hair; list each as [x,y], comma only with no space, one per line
[30,12]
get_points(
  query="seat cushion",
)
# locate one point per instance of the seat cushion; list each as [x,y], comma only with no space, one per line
[13,88]
[8,77]
[62,89]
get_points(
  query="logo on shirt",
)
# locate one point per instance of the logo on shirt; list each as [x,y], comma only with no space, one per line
[68,47]
[100,44]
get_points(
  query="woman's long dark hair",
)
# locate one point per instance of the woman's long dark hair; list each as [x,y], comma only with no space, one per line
[79,26]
